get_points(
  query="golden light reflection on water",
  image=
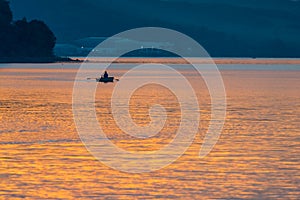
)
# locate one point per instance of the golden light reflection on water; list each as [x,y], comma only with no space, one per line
[257,156]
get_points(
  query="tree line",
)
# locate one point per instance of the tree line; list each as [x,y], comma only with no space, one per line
[24,40]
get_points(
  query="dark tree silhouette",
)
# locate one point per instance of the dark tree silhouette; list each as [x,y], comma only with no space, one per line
[6,38]
[22,40]
[35,37]
[5,13]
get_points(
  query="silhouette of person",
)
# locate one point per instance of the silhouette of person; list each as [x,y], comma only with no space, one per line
[105,74]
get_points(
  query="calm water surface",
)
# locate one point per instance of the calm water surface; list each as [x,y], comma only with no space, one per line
[256,157]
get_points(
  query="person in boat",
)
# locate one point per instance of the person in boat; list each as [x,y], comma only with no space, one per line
[105,74]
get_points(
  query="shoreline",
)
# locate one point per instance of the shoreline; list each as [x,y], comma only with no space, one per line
[155,60]
[42,60]
[168,60]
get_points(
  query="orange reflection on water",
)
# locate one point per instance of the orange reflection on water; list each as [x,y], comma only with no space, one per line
[257,156]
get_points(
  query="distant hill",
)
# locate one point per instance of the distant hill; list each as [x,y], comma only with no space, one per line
[82,48]
[235,28]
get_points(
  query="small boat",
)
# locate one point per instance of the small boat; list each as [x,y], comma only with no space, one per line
[105,79]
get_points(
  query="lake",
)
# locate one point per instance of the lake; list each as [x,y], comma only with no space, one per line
[256,156]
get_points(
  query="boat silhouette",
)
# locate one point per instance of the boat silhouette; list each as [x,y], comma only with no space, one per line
[105,78]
